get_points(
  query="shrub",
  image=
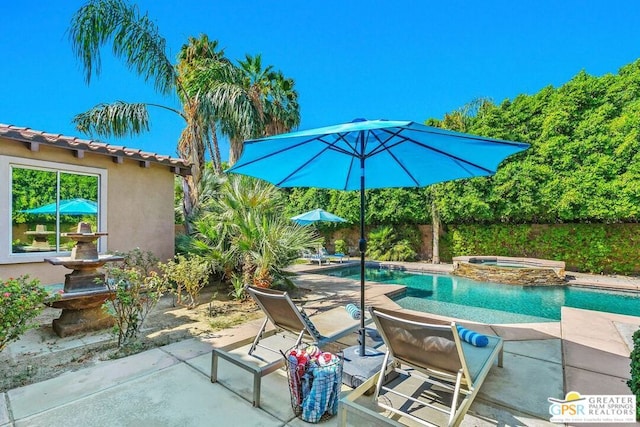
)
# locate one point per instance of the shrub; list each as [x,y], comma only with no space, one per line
[591,248]
[634,382]
[21,300]
[384,245]
[137,291]
[238,292]
[143,262]
[190,275]
[341,247]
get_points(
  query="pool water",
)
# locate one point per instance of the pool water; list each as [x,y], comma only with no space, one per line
[468,299]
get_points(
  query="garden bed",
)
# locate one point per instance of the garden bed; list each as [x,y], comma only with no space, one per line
[40,354]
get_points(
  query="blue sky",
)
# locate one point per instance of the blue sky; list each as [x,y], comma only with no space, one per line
[400,60]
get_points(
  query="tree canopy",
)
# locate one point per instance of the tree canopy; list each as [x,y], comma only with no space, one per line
[240,101]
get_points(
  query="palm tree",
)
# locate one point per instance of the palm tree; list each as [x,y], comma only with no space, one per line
[195,55]
[244,229]
[282,113]
[274,100]
[207,85]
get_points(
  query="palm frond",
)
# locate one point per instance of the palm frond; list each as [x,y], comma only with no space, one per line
[118,119]
[135,39]
[205,74]
[237,113]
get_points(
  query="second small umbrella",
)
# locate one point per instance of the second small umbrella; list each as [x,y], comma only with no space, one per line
[316,215]
[67,207]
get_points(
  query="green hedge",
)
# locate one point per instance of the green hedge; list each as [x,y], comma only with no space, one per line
[593,248]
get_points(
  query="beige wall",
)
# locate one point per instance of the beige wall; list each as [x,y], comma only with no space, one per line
[140,209]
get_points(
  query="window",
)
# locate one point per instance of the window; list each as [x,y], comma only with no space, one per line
[47,199]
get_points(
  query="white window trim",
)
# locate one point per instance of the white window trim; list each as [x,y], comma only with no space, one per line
[6,162]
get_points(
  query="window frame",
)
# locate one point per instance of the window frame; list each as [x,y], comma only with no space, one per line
[6,165]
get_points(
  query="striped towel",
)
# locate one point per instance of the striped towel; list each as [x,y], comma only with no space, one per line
[353,311]
[472,337]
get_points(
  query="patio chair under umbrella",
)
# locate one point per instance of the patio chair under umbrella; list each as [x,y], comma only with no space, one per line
[67,207]
[371,154]
[316,215]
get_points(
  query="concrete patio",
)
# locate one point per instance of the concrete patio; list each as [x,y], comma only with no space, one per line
[586,352]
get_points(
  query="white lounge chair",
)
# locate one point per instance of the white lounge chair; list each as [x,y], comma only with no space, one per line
[338,256]
[315,257]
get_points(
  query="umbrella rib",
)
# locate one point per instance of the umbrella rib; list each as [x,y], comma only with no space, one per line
[346,182]
[454,157]
[383,144]
[330,146]
[384,147]
[318,154]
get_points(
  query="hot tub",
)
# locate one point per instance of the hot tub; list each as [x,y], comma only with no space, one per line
[510,270]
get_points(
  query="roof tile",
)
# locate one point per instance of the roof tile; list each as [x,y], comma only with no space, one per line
[19,133]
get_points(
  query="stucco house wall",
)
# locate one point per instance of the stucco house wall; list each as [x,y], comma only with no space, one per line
[139,196]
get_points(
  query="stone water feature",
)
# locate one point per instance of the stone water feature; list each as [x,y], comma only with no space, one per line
[40,239]
[510,270]
[85,290]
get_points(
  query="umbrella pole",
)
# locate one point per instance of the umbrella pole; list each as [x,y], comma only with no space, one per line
[362,245]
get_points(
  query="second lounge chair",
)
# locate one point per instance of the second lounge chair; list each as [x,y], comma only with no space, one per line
[280,310]
[432,351]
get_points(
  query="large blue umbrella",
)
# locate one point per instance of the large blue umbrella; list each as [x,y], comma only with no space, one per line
[67,207]
[316,215]
[371,154]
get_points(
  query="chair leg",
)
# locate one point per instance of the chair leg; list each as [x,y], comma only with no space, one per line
[383,372]
[299,340]
[258,336]
[454,398]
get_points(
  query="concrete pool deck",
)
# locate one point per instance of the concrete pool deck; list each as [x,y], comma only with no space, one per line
[586,351]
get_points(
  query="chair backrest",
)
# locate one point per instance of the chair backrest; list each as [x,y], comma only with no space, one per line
[426,344]
[280,310]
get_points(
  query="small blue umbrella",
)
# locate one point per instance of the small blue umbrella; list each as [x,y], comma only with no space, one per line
[67,207]
[371,154]
[316,215]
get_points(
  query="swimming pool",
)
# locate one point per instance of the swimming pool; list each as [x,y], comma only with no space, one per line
[492,302]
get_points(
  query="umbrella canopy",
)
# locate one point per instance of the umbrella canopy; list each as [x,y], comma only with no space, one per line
[371,154]
[67,207]
[316,215]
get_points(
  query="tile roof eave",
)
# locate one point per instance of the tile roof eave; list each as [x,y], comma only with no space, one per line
[27,135]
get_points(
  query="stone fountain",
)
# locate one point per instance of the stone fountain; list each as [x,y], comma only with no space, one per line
[40,239]
[85,290]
